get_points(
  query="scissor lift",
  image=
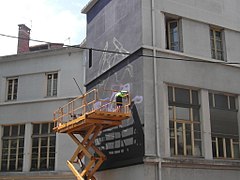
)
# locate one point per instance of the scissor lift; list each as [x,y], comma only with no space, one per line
[87,116]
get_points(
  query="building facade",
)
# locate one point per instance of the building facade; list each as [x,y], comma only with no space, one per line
[32,86]
[180,62]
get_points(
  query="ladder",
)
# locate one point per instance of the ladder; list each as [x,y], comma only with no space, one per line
[83,119]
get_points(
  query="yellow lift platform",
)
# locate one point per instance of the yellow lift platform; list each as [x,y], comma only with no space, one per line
[87,116]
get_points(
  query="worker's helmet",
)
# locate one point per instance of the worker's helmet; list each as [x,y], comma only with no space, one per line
[124,92]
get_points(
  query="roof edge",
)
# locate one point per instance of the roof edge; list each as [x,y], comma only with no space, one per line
[89,6]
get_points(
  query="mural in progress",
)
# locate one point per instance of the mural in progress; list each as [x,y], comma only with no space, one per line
[123,145]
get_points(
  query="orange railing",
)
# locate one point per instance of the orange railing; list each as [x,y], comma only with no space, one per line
[88,103]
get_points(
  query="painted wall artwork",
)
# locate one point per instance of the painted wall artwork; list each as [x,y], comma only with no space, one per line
[123,145]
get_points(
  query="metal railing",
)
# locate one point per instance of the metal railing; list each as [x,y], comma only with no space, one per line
[88,103]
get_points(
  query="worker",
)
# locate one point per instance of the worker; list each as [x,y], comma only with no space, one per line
[119,99]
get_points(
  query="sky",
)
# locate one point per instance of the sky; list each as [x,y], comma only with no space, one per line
[58,21]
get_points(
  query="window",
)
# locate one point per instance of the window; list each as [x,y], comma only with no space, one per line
[216,40]
[12,148]
[43,147]
[52,79]
[224,126]
[12,87]
[173,34]
[184,122]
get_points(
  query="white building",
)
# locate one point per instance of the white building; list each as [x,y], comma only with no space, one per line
[183,74]
[32,86]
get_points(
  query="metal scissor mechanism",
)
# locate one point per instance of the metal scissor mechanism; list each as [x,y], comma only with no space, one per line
[83,119]
[94,160]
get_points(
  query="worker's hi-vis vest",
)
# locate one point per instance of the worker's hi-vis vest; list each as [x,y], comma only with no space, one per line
[119,94]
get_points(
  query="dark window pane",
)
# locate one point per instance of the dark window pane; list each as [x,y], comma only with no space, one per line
[4,165]
[172,146]
[5,143]
[195,97]
[180,138]
[55,76]
[170,94]
[196,116]
[13,143]
[35,142]
[34,153]
[182,96]
[182,113]
[43,152]
[14,130]
[51,155]
[170,109]
[20,165]
[198,148]
[51,164]
[221,101]
[6,130]
[5,154]
[43,164]
[52,149]
[210,99]
[232,102]
[13,151]
[21,143]
[13,156]
[228,147]
[49,76]
[36,128]
[188,139]
[34,164]
[236,151]
[45,128]
[197,135]
[44,141]
[224,122]
[12,165]
[52,141]
[51,127]
[220,147]
[171,125]
[22,130]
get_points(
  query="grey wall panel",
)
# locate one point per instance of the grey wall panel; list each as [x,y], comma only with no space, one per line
[112,29]
[123,145]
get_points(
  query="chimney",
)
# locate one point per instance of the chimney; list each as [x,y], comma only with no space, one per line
[23,38]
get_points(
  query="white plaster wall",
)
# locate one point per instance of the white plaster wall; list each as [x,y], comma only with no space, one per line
[32,105]
[31,86]
[137,172]
[65,148]
[196,38]
[29,112]
[32,78]
[232,40]
[198,174]
[217,12]
[199,74]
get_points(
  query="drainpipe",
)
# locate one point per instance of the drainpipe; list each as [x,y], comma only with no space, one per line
[155,80]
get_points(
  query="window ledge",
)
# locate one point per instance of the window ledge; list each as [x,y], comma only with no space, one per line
[190,56]
[200,163]
[32,175]
[47,99]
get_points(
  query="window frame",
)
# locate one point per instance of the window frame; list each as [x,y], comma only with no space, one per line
[224,150]
[14,88]
[10,139]
[195,125]
[51,91]
[213,43]
[40,136]
[169,19]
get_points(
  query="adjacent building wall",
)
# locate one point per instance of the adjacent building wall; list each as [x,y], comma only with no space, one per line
[33,105]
